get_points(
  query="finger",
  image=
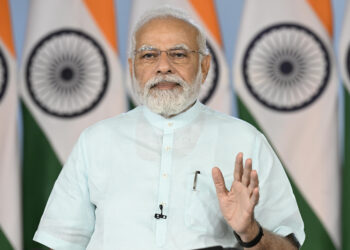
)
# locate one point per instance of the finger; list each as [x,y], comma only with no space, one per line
[246,172]
[219,181]
[255,197]
[254,182]
[238,167]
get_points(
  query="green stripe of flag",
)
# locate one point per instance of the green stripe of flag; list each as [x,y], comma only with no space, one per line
[4,243]
[40,170]
[346,174]
[317,237]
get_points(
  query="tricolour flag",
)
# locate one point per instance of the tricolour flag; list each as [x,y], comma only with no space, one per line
[344,63]
[70,79]
[285,78]
[215,92]
[10,213]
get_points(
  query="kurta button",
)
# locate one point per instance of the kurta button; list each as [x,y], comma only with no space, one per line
[170,124]
[165,175]
[167,148]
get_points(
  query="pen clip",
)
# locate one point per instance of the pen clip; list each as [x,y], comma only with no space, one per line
[195,179]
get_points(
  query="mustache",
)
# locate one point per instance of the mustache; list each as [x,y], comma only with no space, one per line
[154,81]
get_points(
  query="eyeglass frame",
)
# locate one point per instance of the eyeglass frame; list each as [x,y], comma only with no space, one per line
[159,52]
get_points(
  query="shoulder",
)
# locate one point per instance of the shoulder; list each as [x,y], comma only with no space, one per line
[114,124]
[229,123]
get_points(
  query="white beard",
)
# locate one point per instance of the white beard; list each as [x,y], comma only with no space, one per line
[168,102]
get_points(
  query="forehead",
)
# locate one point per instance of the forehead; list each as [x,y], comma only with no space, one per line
[166,32]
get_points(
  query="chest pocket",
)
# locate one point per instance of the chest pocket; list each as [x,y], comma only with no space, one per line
[202,207]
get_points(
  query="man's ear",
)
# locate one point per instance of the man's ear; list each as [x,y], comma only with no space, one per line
[130,67]
[205,65]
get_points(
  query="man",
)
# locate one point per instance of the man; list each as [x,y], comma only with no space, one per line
[145,179]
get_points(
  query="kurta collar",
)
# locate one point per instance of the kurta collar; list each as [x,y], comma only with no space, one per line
[174,122]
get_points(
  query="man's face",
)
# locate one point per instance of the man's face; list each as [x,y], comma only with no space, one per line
[167,83]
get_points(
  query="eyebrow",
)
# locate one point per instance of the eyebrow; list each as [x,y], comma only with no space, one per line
[146,47]
[150,47]
[180,46]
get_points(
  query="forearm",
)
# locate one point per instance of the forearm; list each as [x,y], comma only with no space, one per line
[271,241]
[264,239]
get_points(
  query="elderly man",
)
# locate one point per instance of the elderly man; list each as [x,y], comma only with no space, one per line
[146,179]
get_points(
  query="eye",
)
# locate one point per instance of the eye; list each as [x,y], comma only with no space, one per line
[178,54]
[149,55]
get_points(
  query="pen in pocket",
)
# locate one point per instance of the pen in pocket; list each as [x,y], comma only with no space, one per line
[195,180]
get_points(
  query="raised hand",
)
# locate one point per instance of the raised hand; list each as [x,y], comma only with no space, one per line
[237,204]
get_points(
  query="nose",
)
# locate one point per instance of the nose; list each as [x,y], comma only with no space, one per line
[164,66]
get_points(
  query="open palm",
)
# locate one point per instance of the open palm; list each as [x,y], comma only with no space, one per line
[237,204]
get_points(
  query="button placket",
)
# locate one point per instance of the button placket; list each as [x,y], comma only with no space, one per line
[164,181]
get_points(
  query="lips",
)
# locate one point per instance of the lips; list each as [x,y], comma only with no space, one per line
[166,85]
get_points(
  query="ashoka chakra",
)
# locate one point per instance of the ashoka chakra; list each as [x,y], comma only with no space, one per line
[286,67]
[211,83]
[347,63]
[3,75]
[67,73]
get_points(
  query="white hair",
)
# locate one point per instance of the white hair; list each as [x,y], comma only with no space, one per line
[168,12]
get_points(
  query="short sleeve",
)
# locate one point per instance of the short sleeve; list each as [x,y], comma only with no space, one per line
[68,220]
[277,209]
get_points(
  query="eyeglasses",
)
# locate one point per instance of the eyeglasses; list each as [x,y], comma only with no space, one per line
[175,55]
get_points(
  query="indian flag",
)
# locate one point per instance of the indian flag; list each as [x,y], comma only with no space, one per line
[71,77]
[344,63]
[286,81]
[215,92]
[10,208]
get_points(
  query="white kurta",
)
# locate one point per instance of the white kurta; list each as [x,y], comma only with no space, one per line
[123,168]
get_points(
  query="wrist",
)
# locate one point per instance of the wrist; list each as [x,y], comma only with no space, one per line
[250,233]
[251,237]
